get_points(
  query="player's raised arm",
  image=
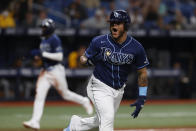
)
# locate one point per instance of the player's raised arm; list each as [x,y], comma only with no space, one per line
[143,86]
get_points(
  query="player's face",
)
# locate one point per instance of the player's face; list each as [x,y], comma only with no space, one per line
[117,29]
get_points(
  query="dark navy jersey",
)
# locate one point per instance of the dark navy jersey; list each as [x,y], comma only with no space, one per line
[113,61]
[50,45]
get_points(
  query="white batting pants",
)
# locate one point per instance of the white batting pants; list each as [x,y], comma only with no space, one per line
[106,101]
[56,78]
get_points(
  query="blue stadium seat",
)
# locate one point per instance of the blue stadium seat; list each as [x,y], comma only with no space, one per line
[186,9]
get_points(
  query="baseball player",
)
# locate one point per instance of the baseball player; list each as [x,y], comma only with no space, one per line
[53,74]
[113,55]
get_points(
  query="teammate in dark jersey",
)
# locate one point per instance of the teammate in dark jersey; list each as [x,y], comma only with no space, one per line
[51,45]
[52,74]
[113,55]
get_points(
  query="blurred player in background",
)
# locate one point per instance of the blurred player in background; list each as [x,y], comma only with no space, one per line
[113,56]
[53,74]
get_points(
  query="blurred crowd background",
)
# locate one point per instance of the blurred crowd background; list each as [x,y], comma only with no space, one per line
[147,14]
[166,28]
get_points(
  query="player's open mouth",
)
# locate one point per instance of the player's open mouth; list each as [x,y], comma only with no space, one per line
[114,30]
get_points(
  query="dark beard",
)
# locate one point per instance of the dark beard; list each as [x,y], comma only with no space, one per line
[120,35]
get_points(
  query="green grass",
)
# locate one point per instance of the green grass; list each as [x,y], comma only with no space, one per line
[57,117]
[158,116]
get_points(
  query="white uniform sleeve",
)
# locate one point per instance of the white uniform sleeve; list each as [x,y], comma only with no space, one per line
[53,56]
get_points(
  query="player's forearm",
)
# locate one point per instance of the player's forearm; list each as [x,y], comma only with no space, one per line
[53,56]
[142,77]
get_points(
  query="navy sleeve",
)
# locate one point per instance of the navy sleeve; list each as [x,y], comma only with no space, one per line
[92,50]
[57,46]
[141,58]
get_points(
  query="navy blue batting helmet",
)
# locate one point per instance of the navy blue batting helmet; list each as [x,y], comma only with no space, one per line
[120,16]
[49,26]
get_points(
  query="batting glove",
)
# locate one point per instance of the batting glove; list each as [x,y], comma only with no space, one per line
[139,105]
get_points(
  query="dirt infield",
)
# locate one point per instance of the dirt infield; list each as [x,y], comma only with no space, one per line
[66,103]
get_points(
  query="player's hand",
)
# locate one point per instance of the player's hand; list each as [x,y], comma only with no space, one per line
[138,105]
[83,59]
[37,57]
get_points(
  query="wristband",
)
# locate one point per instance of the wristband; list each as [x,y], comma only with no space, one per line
[143,91]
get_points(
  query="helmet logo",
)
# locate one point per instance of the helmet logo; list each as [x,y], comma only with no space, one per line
[47,24]
[116,14]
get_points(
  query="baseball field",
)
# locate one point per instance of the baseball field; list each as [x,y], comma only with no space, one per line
[168,115]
